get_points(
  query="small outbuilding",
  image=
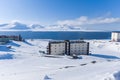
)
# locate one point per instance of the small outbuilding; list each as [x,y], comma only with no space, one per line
[115,36]
[5,38]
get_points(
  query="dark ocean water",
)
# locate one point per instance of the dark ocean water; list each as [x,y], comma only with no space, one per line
[59,35]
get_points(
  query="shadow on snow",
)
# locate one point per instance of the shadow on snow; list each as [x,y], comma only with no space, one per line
[5,49]
[105,56]
[117,76]
[14,44]
[26,42]
[6,56]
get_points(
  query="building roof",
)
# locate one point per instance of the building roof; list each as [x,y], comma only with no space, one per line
[77,41]
[5,36]
[63,41]
[55,41]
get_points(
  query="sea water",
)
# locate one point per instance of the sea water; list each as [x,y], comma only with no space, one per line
[59,35]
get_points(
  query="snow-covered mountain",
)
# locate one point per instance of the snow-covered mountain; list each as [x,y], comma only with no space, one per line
[18,26]
[36,27]
[14,26]
[63,27]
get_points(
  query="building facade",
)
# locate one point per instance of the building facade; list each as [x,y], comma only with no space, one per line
[4,38]
[67,47]
[56,47]
[115,36]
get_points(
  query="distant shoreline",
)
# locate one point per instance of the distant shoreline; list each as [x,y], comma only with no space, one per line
[53,31]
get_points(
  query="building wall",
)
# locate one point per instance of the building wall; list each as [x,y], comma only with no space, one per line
[115,36]
[78,48]
[69,48]
[57,48]
[118,37]
[4,40]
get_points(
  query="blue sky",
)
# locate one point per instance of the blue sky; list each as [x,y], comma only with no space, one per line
[52,11]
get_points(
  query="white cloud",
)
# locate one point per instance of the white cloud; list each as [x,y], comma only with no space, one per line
[103,20]
[78,21]
[83,20]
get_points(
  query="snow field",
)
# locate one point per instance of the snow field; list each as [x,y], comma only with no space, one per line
[28,64]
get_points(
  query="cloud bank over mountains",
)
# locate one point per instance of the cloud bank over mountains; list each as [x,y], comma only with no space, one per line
[82,23]
[83,20]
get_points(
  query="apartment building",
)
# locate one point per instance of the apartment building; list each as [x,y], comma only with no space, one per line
[68,47]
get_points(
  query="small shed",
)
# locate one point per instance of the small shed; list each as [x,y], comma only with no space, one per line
[115,36]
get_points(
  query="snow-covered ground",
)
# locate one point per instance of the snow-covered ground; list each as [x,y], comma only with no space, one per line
[22,61]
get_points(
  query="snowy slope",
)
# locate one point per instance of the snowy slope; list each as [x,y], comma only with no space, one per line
[24,62]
